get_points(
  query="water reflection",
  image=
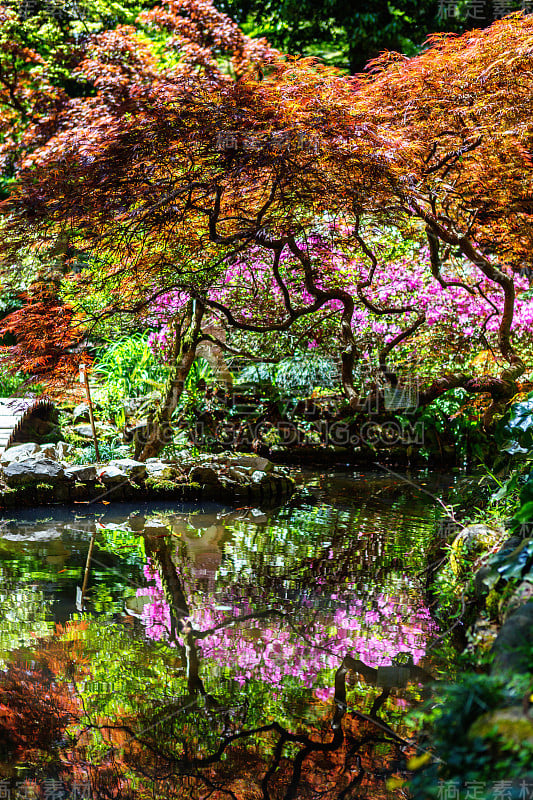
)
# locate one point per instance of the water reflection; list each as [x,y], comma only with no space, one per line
[220,653]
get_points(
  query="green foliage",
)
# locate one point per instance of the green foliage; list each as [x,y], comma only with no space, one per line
[514,432]
[10,383]
[517,563]
[128,367]
[87,455]
[522,522]
[200,372]
[344,33]
[299,374]
[260,373]
[127,545]
[462,758]
[9,301]
[449,421]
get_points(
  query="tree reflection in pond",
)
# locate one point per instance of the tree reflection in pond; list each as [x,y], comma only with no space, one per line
[256,660]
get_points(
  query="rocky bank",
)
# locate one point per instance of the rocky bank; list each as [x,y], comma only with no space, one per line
[40,474]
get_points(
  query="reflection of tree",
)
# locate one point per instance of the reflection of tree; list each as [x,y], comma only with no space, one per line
[281,776]
[163,730]
[24,614]
[302,546]
[217,701]
[304,641]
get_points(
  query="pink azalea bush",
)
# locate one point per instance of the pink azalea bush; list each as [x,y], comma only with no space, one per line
[402,278]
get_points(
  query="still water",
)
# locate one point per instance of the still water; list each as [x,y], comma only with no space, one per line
[170,651]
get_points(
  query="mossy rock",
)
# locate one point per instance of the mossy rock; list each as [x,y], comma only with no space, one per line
[470,544]
[157,486]
[492,604]
[514,597]
[514,644]
[509,725]
[167,474]
[46,493]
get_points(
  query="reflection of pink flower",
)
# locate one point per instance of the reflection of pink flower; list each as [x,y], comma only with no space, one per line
[272,652]
[325,694]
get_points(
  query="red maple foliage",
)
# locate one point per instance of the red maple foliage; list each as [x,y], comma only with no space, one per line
[49,343]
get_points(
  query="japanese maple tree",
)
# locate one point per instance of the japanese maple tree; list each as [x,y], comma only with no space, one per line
[180,173]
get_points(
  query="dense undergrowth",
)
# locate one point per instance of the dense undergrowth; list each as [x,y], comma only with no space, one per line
[475,735]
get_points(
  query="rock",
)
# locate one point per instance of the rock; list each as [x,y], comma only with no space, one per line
[158,469]
[82,473]
[471,543]
[252,463]
[55,452]
[154,527]
[205,475]
[136,522]
[83,430]
[19,452]
[232,486]
[513,641]
[81,413]
[111,474]
[511,725]
[19,473]
[102,431]
[48,451]
[523,594]
[257,516]
[45,535]
[136,433]
[259,477]
[182,455]
[133,469]
[64,450]
[239,475]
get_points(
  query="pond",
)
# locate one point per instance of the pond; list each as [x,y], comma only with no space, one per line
[207,652]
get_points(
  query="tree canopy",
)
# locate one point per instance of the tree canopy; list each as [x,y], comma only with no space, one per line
[170,173]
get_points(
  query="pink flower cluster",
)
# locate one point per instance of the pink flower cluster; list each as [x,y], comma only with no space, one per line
[248,288]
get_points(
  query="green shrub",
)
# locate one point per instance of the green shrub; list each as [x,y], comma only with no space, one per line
[460,759]
[449,420]
[128,367]
[514,432]
[87,455]
[299,374]
[14,383]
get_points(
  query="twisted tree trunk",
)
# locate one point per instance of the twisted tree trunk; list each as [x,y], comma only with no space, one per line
[159,429]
